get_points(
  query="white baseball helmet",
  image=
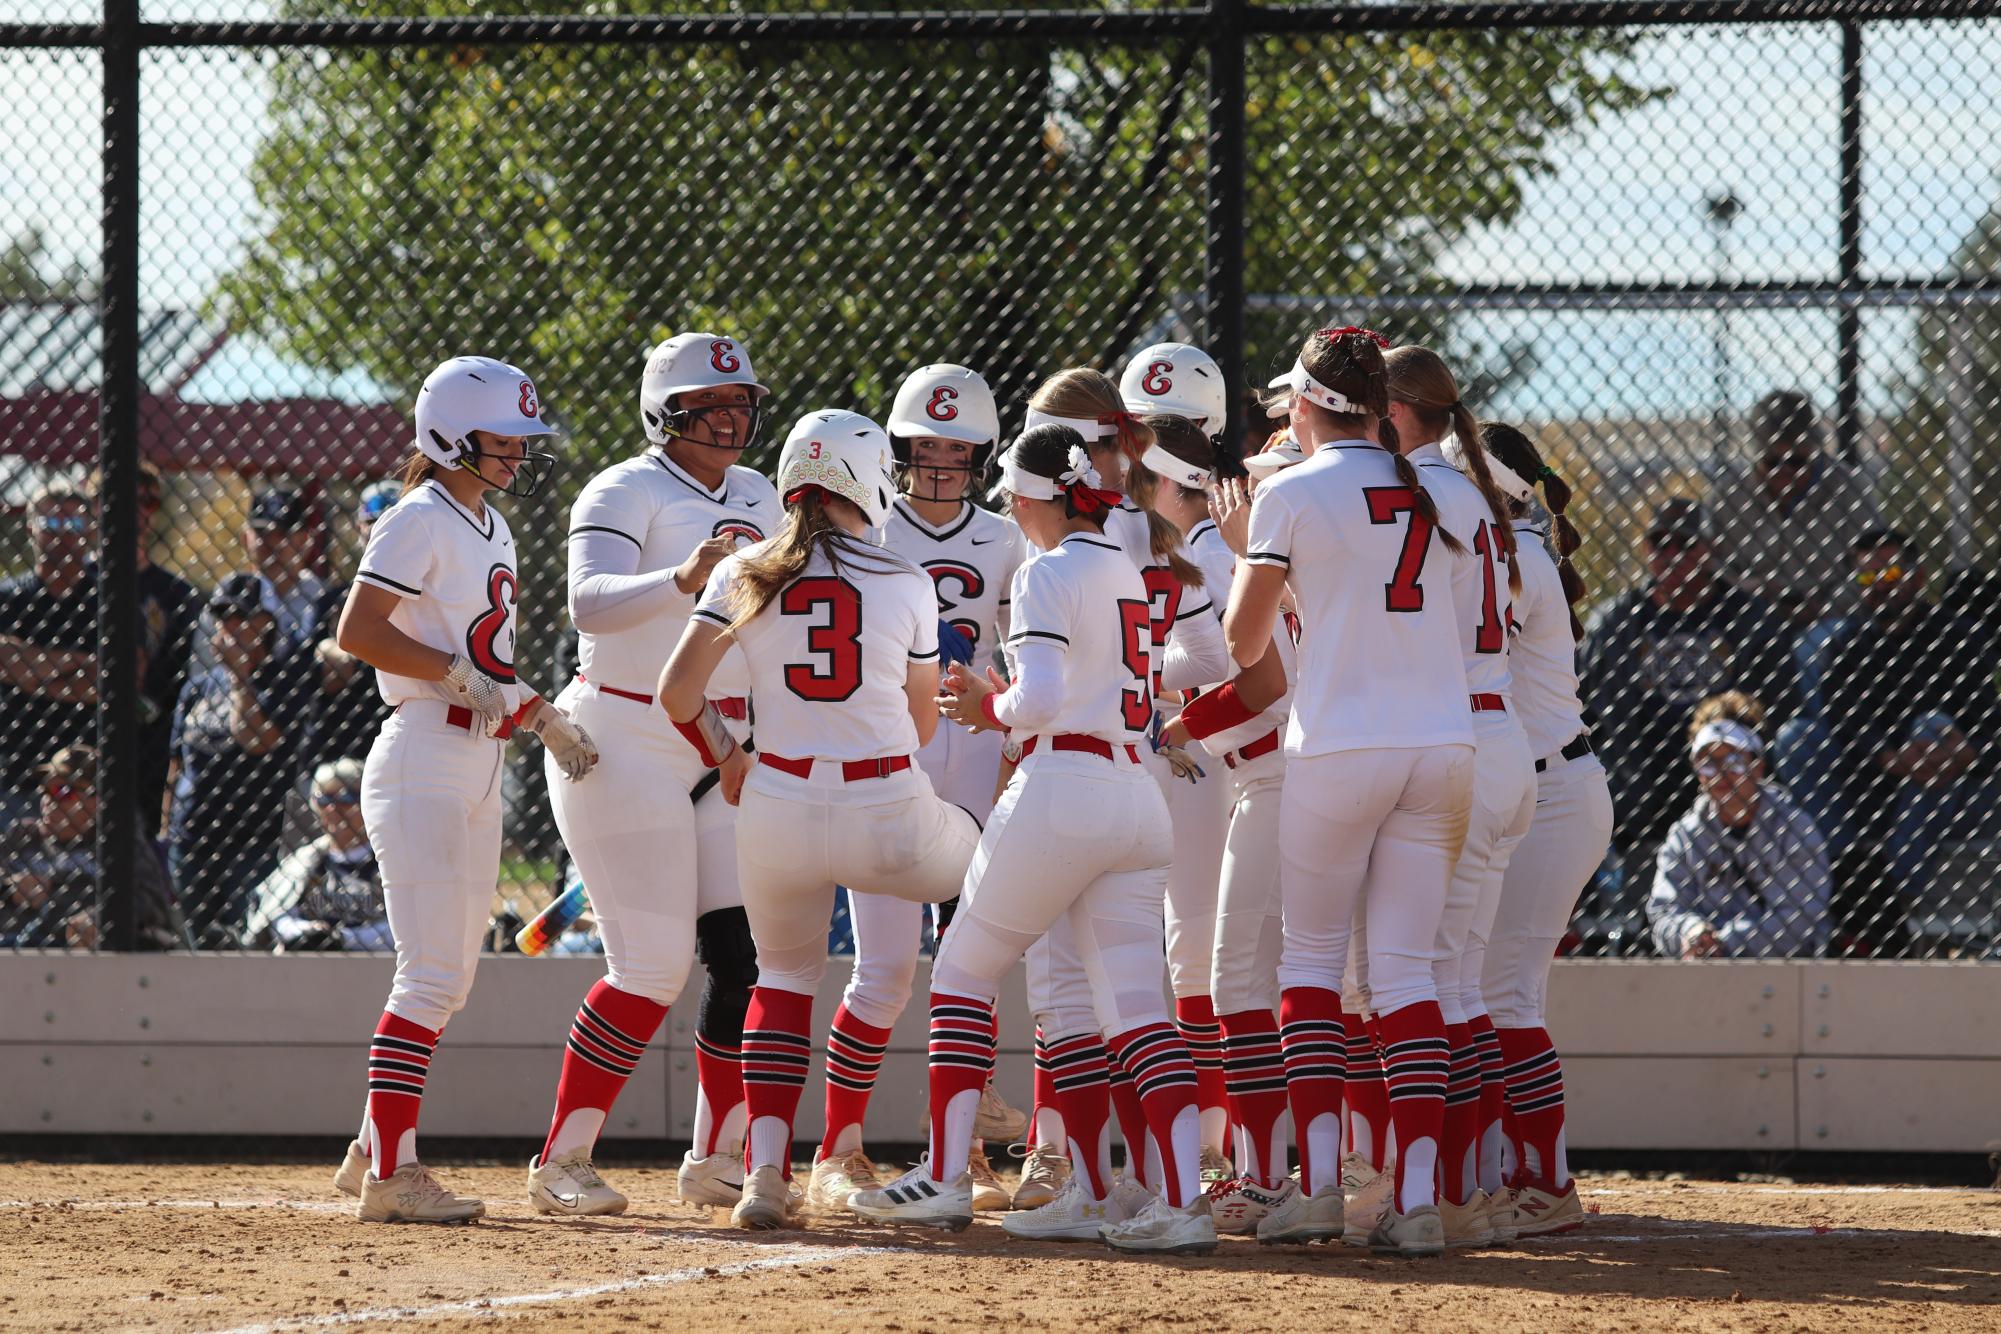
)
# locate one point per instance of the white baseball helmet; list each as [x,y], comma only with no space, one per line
[468,394]
[950,402]
[844,453]
[687,362]
[1179,379]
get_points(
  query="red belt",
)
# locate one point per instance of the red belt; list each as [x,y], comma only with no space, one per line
[853,771]
[632,695]
[1089,745]
[1264,745]
[1488,703]
[733,707]
[459,716]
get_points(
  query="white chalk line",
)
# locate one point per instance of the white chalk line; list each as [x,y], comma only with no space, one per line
[1733,1232]
[484,1305]
[1752,1188]
[271,1202]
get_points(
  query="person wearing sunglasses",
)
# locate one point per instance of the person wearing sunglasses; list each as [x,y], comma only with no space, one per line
[327,893]
[1782,522]
[1745,871]
[48,645]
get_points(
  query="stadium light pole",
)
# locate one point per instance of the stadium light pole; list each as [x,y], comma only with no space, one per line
[1721,208]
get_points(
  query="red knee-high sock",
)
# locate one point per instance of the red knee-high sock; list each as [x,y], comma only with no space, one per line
[1195,1018]
[1045,1091]
[777,1052]
[1535,1095]
[1315,1048]
[607,1038]
[1416,1063]
[1164,1077]
[399,1061]
[1081,1089]
[1458,1155]
[962,1056]
[854,1057]
[1366,1095]
[718,1083]
[1132,1119]
[1493,1101]
[1254,1075]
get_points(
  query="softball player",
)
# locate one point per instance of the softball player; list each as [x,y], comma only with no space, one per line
[841,638]
[1080,833]
[655,844]
[432,609]
[942,429]
[1380,761]
[1573,825]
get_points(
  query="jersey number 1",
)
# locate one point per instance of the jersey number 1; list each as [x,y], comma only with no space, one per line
[1135,624]
[839,638]
[1492,635]
[1403,592]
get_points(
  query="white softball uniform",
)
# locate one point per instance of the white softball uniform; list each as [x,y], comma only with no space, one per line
[1573,803]
[1379,748]
[971,560]
[1503,770]
[430,790]
[652,860]
[834,797]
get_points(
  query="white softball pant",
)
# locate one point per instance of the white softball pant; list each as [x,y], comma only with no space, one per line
[1374,832]
[799,837]
[430,798]
[1249,923]
[1200,815]
[651,860]
[963,767]
[1079,839]
[1565,843]
[1503,802]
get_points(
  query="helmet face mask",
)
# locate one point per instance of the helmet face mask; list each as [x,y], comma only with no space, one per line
[697,365]
[470,397]
[531,471]
[696,422]
[974,473]
[945,402]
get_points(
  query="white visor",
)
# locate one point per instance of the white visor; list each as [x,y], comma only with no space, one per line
[1280,456]
[1027,485]
[1507,479]
[1724,732]
[1300,381]
[1175,469]
[1088,427]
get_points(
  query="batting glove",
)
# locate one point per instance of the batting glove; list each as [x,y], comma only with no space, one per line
[478,693]
[568,744]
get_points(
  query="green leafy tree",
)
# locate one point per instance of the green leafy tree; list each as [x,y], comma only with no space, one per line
[28,273]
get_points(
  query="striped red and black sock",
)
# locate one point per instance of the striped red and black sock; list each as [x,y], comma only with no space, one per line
[1315,1048]
[777,1052]
[854,1058]
[1493,1100]
[1254,1079]
[607,1038]
[1195,1018]
[963,1038]
[1416,1064]
[718,1092]
[1081,1090]
[1366,1095]
[1044,1120]
[399,1063]
[1132,1121]
[1163,1076]
[1458,1157]
[1534,1077]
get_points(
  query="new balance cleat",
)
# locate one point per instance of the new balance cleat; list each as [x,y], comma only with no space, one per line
[1542,1213]
[411,1194]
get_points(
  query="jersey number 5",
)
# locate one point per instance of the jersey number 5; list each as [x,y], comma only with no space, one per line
[1403,592]
[838,638]
[1135,624]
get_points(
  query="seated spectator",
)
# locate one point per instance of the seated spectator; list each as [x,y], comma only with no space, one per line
[48,647]
[282,541]
[1744,872]
[1782,526]
[235,735]
[326,895]
[351,709]
[49,864]
[1648,658]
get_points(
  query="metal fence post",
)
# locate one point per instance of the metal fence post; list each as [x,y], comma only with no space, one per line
[1848,328]
[1223,285]
[118,501]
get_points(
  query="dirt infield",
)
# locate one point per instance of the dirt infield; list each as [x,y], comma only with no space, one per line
[87,1247]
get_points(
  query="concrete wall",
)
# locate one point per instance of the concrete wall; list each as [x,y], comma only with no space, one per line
[1852,1056]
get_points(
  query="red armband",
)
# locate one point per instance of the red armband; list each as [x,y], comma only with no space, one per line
[991,713]
[1216,711]
[705,732]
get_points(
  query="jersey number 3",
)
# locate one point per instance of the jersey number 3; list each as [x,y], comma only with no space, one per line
[1403,592]
[837,607]
[1136,625]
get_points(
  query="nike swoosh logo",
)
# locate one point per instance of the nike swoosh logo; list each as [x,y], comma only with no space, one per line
[982,541]
[755,503]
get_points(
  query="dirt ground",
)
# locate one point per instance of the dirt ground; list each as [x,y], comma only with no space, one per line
[213,1248]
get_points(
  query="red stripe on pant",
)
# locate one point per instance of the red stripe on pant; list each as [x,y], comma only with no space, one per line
[1416,1064]
[1254,1084]
[1164,1077]
[1534,1077]
[607,1038]
[399,1063]
[1315,1047]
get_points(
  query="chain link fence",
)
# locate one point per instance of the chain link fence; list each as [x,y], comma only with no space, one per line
[1736,277]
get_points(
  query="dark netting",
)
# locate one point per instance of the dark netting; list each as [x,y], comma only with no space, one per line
[1737,283]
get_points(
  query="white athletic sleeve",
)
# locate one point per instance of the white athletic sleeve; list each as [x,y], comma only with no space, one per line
[399,555]
[1036,693]
[1271,529]
[1196,652]
[608,594]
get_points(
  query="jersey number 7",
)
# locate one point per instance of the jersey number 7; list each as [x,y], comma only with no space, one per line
[838,638]
[1403,592]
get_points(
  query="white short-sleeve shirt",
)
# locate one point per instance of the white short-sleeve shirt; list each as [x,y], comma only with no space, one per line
[971,560]
[1479,572]
[1544,653]
[1087,599]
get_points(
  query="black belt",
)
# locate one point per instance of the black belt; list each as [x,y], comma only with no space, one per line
[1578,748]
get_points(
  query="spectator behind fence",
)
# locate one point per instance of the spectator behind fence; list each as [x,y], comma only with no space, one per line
[351,709]
[236,734]
[48,647]
[1655,652]
[1744,872]
[49,863]
[282,540]
[326,895]
[1782,525]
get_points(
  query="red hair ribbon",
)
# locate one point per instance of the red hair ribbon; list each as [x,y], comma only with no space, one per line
[799,493]
[1089,499]
[1369,334]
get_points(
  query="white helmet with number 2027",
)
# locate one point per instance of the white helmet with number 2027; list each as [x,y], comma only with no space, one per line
[468,394]
[1178,379]
[843,453]
[687,362]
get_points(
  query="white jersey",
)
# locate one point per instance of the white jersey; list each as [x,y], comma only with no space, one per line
[1086,599]
[1219,564]
[971,560]
[1379,661]
[1479,573]
[1170,602]
[454,575]
[1544,653]
[829,656]
[651,511]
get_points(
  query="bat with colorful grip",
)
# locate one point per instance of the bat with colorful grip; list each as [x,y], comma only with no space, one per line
[553,921]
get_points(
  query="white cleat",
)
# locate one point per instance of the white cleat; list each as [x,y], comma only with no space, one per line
[411,1194]
[1128,1197]
[989,1195]
[766,1201]
[996,1120]
[1356,1172]
[1072,1216]
[570,1185]
[1238,1205]
[1418,1233]
[716,1179]
[1044,1171]
[1542,1213]
[915,1198]
[1466,1225]
[1366,1206]
[1501,1215]
[836,1178]
[1161,1229]
[1298,1218]
[353,1170]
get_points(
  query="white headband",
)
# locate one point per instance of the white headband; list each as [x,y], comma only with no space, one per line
[1724,732]
[1300,381]
[1280,456]
[1506,478]
[1034,486]
[1175,469]
[1088,427]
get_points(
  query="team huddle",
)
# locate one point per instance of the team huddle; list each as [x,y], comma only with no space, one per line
[1298,731]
